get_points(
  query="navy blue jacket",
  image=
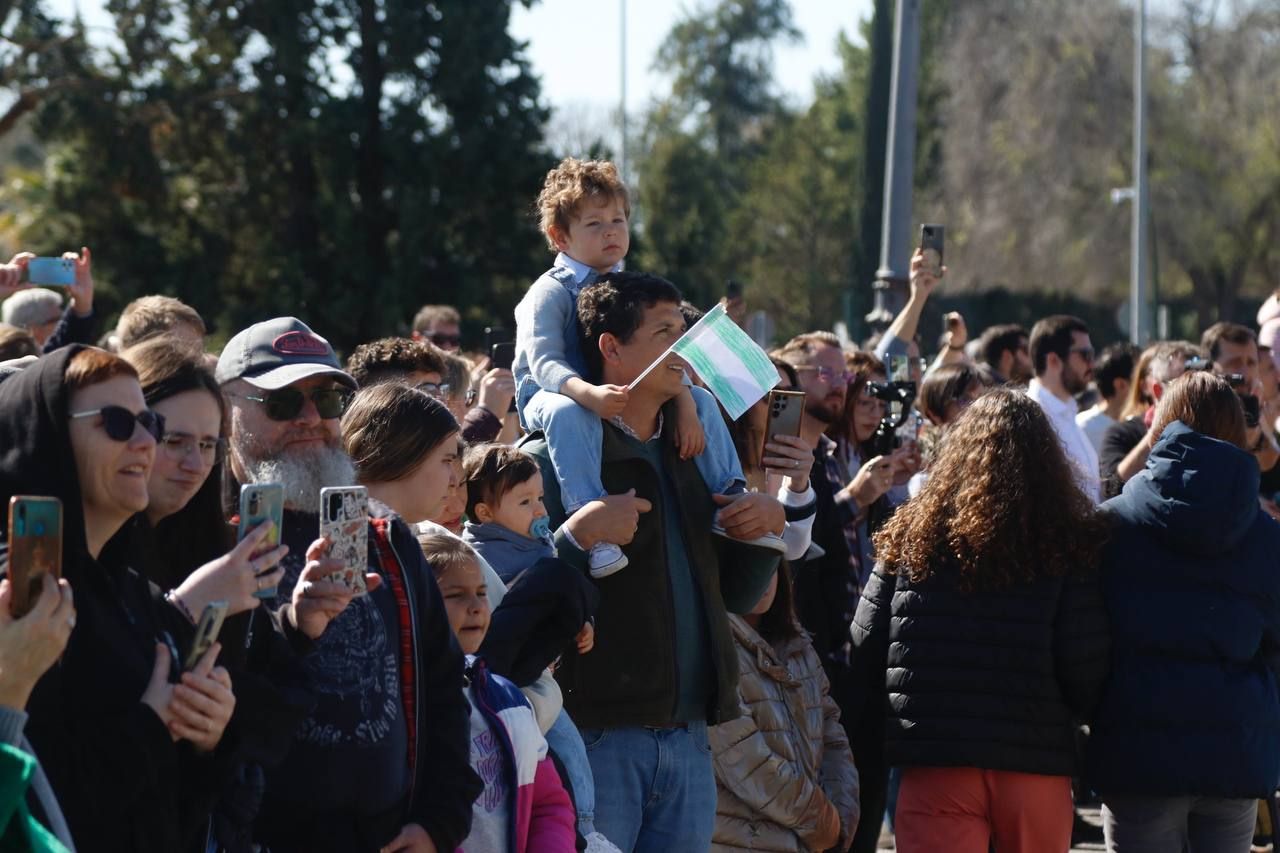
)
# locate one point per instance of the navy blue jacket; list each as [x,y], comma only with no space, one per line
[1191,577]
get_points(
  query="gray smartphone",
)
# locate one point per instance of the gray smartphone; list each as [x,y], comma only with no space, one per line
[207,630]
[261,502]
[932,238]
[786,414]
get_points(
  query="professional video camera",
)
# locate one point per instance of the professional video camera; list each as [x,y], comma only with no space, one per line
[903,394]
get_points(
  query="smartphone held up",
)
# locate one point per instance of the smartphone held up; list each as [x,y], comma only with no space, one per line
[932,238]
[35,548]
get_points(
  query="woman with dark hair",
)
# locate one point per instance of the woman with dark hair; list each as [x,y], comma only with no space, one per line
[944,395]
[404,444]
[185,542]
[785,777]
[984,623]
[185,545]
[127,750]
[1187,735]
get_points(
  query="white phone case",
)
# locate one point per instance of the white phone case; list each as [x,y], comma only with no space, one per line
[344,520]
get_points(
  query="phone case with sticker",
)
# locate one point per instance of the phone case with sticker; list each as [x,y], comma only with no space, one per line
[344,521]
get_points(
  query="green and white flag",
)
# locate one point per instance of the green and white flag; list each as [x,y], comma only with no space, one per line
[729,363]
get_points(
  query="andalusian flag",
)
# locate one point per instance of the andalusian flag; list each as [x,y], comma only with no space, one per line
[729,363]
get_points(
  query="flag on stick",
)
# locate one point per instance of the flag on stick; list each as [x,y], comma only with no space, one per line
[729,363]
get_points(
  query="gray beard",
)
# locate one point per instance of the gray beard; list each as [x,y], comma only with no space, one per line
[304,475]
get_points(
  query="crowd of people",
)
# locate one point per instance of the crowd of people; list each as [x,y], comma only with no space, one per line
[570,604]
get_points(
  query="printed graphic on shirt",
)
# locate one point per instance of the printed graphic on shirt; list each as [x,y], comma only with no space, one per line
[487,760]
[353,669]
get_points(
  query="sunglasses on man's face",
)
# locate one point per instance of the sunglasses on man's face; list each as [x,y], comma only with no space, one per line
[119,423]
[285,404]
[443,340]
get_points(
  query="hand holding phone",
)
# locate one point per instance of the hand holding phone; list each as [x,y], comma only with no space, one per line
[786,415]
[344,521]
[207,630]
[261,503]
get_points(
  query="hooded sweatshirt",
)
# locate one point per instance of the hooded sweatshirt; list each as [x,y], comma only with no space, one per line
[1191,577]
[122,782]
[509,553]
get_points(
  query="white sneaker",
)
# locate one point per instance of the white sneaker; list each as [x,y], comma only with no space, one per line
[772,541]
[597,843]
[606,558]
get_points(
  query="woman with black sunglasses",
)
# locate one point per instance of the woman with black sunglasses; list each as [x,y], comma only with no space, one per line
[127,741]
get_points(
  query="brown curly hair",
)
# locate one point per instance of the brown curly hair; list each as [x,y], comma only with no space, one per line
[571,183]
[1001,505]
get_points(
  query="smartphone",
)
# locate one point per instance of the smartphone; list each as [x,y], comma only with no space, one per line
[35,548]
[932,237]
[786,413]
[207,629]
[495,335]
[502,355]
[261,502]
[58,272]
[344,521]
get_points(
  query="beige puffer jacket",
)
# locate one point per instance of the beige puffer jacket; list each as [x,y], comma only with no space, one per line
[784,773]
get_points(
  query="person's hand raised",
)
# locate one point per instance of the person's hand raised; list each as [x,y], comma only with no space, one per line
[29,645]
[11,275]
[81,291]
[872,480]
[922,279]
[235,576]
[317,601]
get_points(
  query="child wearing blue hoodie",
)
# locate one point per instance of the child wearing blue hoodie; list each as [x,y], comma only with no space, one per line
[508,523]
[509,528]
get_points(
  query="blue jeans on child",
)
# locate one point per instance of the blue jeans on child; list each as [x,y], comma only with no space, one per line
[574,435]
[655,787]
[563,739]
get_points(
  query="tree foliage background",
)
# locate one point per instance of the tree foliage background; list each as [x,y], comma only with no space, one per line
[348,160]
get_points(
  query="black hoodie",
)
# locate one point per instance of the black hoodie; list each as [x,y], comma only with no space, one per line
[120,779]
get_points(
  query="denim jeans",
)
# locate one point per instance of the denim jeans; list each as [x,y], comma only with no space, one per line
[574,435]
[563,739]
[1194,824]
[655,788]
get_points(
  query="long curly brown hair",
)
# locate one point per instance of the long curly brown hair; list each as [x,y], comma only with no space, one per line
[1000,507]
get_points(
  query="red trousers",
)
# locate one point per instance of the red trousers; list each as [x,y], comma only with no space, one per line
[968,810]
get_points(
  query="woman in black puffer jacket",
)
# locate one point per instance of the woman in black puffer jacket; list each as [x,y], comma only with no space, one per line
[985,626]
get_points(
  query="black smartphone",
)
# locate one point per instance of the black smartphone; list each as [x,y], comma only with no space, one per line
[932,237]
[502,355]
[786,413]
[496,335]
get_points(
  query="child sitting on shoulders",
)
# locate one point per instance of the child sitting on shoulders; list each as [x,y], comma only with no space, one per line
[523,806]
[584,209]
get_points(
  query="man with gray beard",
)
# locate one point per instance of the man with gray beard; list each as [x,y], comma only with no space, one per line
[383,759]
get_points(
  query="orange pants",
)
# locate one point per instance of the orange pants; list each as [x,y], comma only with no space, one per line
[969,810]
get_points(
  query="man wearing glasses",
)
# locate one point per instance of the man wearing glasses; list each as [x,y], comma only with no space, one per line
[383,758]
[1062,356]
[440,325]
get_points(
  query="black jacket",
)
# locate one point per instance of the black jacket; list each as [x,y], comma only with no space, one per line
[630,677]
[442,786]
[1191,576]
[992,679]
[542,612]
[122,782]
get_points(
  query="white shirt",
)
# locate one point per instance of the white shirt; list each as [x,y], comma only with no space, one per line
[1093,423]
[1080,453]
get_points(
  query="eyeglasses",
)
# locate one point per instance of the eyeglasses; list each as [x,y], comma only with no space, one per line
[180,445]
[443,340]
[285,404]
[119,423]
[826,374]
[1085,353]
[434,389]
